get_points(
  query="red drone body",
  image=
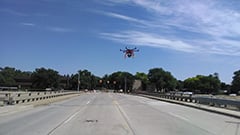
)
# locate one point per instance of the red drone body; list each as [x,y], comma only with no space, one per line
[129,52]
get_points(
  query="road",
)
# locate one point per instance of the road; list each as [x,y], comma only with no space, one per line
[115,114]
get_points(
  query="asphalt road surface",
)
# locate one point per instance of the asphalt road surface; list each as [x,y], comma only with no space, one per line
[115,114]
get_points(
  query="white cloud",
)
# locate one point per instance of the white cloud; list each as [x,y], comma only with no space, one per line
[115,1]
[214,27]
[208,16]
[49,28]
[28,24]
[127,18]
[140,22]
[60,29]
[148,39]
[13,12]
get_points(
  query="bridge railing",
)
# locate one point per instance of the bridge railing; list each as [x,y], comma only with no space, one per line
[11,98]
[211,101]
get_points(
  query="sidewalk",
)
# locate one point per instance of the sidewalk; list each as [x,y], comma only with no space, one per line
[223,111]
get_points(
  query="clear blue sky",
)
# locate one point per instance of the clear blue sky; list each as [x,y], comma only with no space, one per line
[185,37]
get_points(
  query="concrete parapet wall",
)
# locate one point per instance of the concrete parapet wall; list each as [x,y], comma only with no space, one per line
[213,109]
[11,98]
[210,101]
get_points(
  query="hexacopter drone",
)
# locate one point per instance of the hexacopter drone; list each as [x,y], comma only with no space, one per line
[129,52]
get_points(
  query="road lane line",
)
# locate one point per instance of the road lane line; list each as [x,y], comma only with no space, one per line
[65,121]
[124,117]
[123,114]
[88,102]
[180,117]
[70,118]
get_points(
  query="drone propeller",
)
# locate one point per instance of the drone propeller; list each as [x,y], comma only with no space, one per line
[123,50]
[135,49]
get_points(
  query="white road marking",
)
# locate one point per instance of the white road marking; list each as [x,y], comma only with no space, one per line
[127,125]
[65,121]
[180,117]
[88,102]
[70,118]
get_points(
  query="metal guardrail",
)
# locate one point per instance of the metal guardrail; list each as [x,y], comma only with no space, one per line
[211,101]
[11,98]
[223,103]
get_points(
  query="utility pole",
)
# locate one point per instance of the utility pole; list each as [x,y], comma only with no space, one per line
[78,80]
[125,84]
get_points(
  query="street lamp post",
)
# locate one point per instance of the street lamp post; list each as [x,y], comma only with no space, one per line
[114,82]
[78,81]
[108,84]
[100,81]
[125,84]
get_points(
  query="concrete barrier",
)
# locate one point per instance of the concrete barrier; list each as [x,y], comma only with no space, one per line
[1,101]
[222,103]
[4,97]
[210,101]
[12,98]
[222,111]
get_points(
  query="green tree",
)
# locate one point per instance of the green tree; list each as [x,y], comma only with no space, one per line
[236,82]
[2,80]
[225,86]
[180,85]
[7,75]
[162,80]
[203,84]
[117,80]
[73,82]
[144,78]
[86,78]
[45,78]
[191,83]
[104,80]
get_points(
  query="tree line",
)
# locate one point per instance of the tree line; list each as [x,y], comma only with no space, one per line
[157,79]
